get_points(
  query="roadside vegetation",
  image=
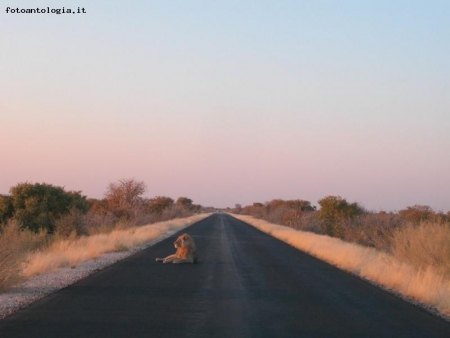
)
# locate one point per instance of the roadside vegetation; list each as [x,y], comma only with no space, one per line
[406,251]
[43,227]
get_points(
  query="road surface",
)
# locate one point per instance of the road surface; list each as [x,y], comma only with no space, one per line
[246,284]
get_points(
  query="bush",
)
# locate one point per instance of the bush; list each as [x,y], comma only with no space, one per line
[71,225]
[417,213]
[334,210]
[175,211]
[6,208]
[371,229]
[37,206]
[184,202]
[307,221]
[159,203]
[256,210]
[298,214]
[95,222]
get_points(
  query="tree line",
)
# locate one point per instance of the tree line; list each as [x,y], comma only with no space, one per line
[46,207]
[337,217]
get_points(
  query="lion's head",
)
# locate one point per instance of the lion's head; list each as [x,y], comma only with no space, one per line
[183,241]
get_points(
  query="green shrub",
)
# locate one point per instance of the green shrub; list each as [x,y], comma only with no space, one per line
[159,203]
[6,208]
[334,210]
[184,202]
[37,206]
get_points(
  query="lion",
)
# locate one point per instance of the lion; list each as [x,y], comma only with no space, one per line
[186,251]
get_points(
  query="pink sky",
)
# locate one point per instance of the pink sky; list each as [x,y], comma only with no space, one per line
[238,109]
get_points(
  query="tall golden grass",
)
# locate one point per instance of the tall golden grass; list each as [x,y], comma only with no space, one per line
[424,245]
[71,252]
[419,282]
[15,245]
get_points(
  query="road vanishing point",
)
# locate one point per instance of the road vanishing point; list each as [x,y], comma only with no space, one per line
[245,284]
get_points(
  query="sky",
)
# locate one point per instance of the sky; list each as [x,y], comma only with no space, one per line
[230,102]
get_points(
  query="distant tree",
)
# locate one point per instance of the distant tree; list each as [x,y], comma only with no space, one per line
[125,196]
[417,213]
[440,217]
[196,207]
[77,201]
[257,209]
[37,206]
[98,206]
[291,217]
[71,224]
[274,204]
[184,202]
[300,205]
[6,208]
[334,210]
[159,203]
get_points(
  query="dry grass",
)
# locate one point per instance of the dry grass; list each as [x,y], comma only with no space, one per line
[424,245]
[15,245]
[425,285]
[71,252]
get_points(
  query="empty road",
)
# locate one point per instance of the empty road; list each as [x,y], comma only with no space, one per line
[246,284]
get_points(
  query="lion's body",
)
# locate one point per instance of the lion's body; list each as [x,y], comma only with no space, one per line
[186,251]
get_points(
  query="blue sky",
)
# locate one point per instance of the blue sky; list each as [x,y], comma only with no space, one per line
[231,101]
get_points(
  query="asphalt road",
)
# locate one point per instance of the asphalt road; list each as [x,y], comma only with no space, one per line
[246,284]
